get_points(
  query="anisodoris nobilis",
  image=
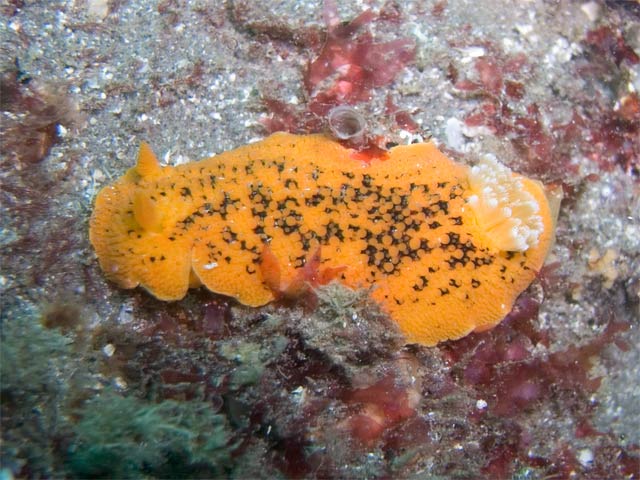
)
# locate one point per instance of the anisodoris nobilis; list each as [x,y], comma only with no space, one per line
[448,248]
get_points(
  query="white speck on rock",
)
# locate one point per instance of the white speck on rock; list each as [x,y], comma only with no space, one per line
[97,9]
[585,457]
[469,53]
[477,131]
[591,10]
[120,383]
[410,137]
[561,51]
[98,176]
[126,313]
[453,131]
[109,349]
[299,394]
[524,29]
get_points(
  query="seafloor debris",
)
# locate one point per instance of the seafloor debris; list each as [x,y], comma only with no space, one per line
[32,116]
[349,66]
[323,388]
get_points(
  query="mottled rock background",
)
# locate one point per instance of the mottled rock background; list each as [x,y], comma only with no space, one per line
[550,87]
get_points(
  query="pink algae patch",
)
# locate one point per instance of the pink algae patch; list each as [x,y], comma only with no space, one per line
[384,405]
[348,67]
[32,113]
[500,363]
[490,74]
[402,118]
[606,133]
[608,41]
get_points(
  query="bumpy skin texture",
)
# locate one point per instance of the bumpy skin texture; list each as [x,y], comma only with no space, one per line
[401,225]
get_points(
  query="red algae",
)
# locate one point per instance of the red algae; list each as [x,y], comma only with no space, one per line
[613,134]
[438,8]
[607,41]
[500,464]
[33,112]
[501,367]
[607,134]
[288,118]
[498,83]
[490,75]
[216,318]
[322,400]
[615,140]
[356,66]
[11,7]
[38,110]
[585,430]
[348,67]
[384,405]
[402,118]
[504,368]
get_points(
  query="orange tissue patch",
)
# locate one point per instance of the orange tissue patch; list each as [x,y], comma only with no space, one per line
[448,248]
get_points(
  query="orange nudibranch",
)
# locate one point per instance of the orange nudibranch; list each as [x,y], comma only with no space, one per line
[447,247]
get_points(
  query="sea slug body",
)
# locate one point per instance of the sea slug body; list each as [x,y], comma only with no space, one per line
[447,248]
